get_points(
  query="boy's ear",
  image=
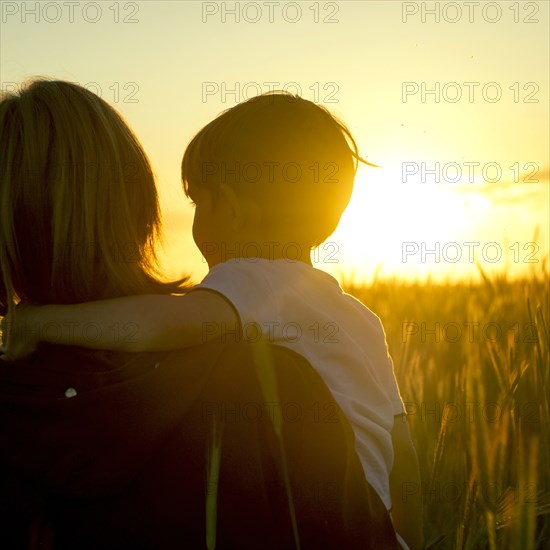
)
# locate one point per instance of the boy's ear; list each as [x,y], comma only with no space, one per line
[243,212]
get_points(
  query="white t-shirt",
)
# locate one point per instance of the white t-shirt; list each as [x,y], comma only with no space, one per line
[303,308]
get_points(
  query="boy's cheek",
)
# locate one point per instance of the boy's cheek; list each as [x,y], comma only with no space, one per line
[200,230]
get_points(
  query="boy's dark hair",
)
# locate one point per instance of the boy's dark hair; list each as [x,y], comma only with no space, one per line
[294,158]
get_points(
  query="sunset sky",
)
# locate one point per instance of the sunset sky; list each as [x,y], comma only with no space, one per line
[463,100]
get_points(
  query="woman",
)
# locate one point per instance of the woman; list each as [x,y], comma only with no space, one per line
[217,445]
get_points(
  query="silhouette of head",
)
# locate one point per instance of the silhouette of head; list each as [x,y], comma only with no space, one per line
[79,212]
[293,158]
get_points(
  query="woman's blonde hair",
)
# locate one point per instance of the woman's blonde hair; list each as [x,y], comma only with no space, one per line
[79,212]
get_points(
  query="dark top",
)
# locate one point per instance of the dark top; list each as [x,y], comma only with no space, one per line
[124,462]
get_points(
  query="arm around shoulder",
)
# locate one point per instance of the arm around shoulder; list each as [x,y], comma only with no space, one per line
[136,323]
[176,322]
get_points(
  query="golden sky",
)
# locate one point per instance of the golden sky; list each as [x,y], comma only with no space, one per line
[450,98]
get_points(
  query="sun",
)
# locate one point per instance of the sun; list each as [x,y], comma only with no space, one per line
[386,218]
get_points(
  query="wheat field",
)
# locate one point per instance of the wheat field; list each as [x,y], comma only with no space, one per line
[472,363]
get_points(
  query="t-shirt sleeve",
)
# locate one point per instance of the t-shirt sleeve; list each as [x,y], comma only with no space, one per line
[378,352]
[249,293]
[390,381]
[383,364]
[393,391]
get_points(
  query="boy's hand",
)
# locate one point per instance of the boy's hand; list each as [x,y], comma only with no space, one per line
[18,341]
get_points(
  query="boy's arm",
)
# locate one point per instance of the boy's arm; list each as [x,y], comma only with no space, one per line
[132,323]
[405,491]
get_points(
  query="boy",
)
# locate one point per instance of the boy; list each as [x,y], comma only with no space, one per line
[270,179]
